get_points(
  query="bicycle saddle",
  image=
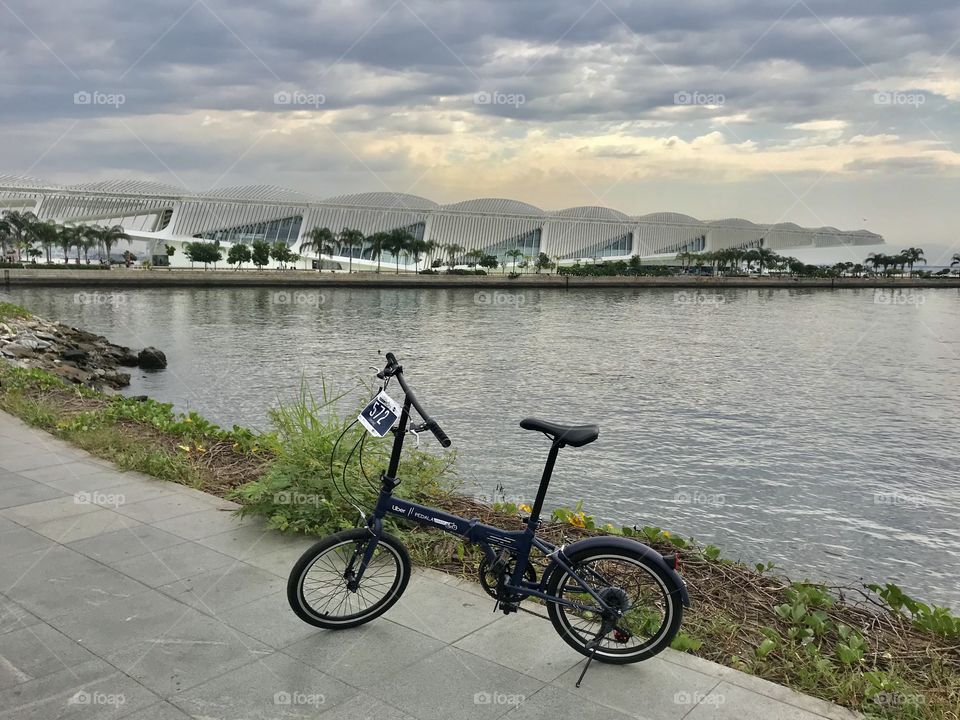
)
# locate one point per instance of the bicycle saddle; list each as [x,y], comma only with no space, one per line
[573,435]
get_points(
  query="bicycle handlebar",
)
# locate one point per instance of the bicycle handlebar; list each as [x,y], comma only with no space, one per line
[394,369]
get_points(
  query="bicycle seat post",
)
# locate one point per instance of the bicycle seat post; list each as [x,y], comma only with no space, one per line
[534,520]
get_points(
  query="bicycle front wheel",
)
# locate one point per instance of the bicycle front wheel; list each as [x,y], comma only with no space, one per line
[320,588]
[647,596]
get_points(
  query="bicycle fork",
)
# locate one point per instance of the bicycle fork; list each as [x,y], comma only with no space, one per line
[354,576]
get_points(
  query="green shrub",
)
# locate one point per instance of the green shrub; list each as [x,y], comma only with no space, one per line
[315,483]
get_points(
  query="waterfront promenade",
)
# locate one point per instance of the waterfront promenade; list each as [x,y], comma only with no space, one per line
[122,596]
[160,277]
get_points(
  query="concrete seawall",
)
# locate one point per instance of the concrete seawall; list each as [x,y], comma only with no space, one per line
[157,277]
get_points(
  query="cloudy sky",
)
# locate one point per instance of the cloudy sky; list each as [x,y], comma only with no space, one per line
[813,111]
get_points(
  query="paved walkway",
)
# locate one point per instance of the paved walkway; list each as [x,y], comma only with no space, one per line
[122,596]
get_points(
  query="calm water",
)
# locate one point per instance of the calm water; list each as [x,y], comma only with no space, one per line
[816,429]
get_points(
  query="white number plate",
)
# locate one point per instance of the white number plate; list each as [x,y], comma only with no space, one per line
[380,414]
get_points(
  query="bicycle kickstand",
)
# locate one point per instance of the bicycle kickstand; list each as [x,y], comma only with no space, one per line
[593,645]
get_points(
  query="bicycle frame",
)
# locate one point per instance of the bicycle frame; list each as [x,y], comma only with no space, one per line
[489,538]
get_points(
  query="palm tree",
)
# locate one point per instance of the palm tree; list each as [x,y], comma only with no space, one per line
[46,234]
[377,244]
[913,255]
[475,256]
[68,237]
[350,239]
[18,224]
[110,236]
[876,260]
[320,240]
[90,239]
[399,241]
[4,238]
[515,254]
[417,248]
[453,252]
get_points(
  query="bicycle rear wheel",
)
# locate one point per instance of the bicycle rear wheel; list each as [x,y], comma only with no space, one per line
[647,596]
[319,587]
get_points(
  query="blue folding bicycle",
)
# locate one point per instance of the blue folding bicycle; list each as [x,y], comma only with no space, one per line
[610,598]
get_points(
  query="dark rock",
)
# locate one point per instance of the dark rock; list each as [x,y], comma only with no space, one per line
[79,356]
[17,351]
[69,372]
[152,359]
[127,358]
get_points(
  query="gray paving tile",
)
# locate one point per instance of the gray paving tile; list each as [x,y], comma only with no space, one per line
[525,643]
[278,562]
[136,490]
[160,711]
[26,493]
[13,617]
[204,524]
[89,691]
[30,457]
[122,544]
[101,481]
[121,622]
[46,510]
[21,539]
[550,703]
[162,508]
[87,525]
[224,588]
[454,683]
[252,540]
[730,702]
[270,620]
[365,708]
[274,686]
[191,652]
[666,688]
[169,564]
[59,581]
[9,479]
[209,500]
[783,695]
[37,651]
[441,611]
[362,655]
[58,471]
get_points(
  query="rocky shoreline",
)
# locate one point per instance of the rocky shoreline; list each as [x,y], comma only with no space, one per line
[75,355]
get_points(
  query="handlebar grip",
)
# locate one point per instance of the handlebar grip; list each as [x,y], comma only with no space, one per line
[391,358]
[439,434]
